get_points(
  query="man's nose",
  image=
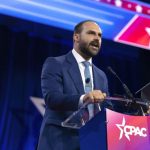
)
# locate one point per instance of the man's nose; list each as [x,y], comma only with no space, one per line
[97,37]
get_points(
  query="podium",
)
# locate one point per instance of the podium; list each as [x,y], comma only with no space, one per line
[110,130]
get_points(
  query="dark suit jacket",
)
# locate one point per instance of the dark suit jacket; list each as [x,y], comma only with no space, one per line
[62,87]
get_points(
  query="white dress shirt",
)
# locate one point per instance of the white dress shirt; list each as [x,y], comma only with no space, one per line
[79,60]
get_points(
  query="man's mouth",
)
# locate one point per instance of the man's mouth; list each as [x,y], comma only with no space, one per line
[95,45]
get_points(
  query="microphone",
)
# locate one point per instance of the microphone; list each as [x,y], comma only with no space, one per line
[126,89]
[144,87]
[87,80]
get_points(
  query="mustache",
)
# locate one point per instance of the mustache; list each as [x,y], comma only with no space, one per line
[95,43]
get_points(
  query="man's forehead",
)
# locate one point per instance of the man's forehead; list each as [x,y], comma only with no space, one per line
[92,26]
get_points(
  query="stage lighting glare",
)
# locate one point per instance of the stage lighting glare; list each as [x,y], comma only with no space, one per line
[129,5]
[108,1]
[118,3]
[138,8]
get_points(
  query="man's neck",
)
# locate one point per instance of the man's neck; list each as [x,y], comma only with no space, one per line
[82,55]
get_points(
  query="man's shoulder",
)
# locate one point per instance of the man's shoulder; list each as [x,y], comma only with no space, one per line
[54,64]
[63,61]
[58,59]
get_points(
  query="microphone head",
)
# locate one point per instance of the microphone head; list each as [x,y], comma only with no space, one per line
[111,70]
[87,80]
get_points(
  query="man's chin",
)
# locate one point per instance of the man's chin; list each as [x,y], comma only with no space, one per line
[90,52]
[93,52]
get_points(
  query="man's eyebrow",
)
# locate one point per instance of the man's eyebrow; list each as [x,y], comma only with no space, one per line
[92,31]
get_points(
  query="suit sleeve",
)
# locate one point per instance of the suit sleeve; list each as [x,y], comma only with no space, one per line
[52,88]
[106,85]
[106,104]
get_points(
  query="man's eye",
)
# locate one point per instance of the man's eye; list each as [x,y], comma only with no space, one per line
[99,35]
[91,33]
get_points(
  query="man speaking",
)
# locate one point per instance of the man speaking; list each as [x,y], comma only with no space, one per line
[68,82]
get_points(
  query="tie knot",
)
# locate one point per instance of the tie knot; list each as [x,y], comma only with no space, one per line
[86,63]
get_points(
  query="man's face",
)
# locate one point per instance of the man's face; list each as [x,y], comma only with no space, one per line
[89,40]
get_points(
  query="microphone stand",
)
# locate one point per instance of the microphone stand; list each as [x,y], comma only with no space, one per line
[129,95]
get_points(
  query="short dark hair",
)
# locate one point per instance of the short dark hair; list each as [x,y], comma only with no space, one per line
[78,27]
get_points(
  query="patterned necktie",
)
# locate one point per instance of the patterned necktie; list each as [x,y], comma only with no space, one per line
[88,86]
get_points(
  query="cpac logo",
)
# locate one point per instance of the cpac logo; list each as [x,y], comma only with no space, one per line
[130,130]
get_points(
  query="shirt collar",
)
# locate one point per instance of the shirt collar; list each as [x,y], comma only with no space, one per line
[79,58]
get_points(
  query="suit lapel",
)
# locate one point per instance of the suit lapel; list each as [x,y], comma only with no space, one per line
[96,79]
[75,73]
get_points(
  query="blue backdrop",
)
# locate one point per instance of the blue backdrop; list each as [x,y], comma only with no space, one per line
[23,48]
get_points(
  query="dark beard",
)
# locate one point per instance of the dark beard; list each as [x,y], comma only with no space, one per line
[85,49]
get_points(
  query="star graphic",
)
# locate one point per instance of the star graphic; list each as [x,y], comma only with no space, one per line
[147,29]
[121,128]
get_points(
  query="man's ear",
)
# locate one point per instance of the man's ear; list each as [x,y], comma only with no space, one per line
[76,37]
